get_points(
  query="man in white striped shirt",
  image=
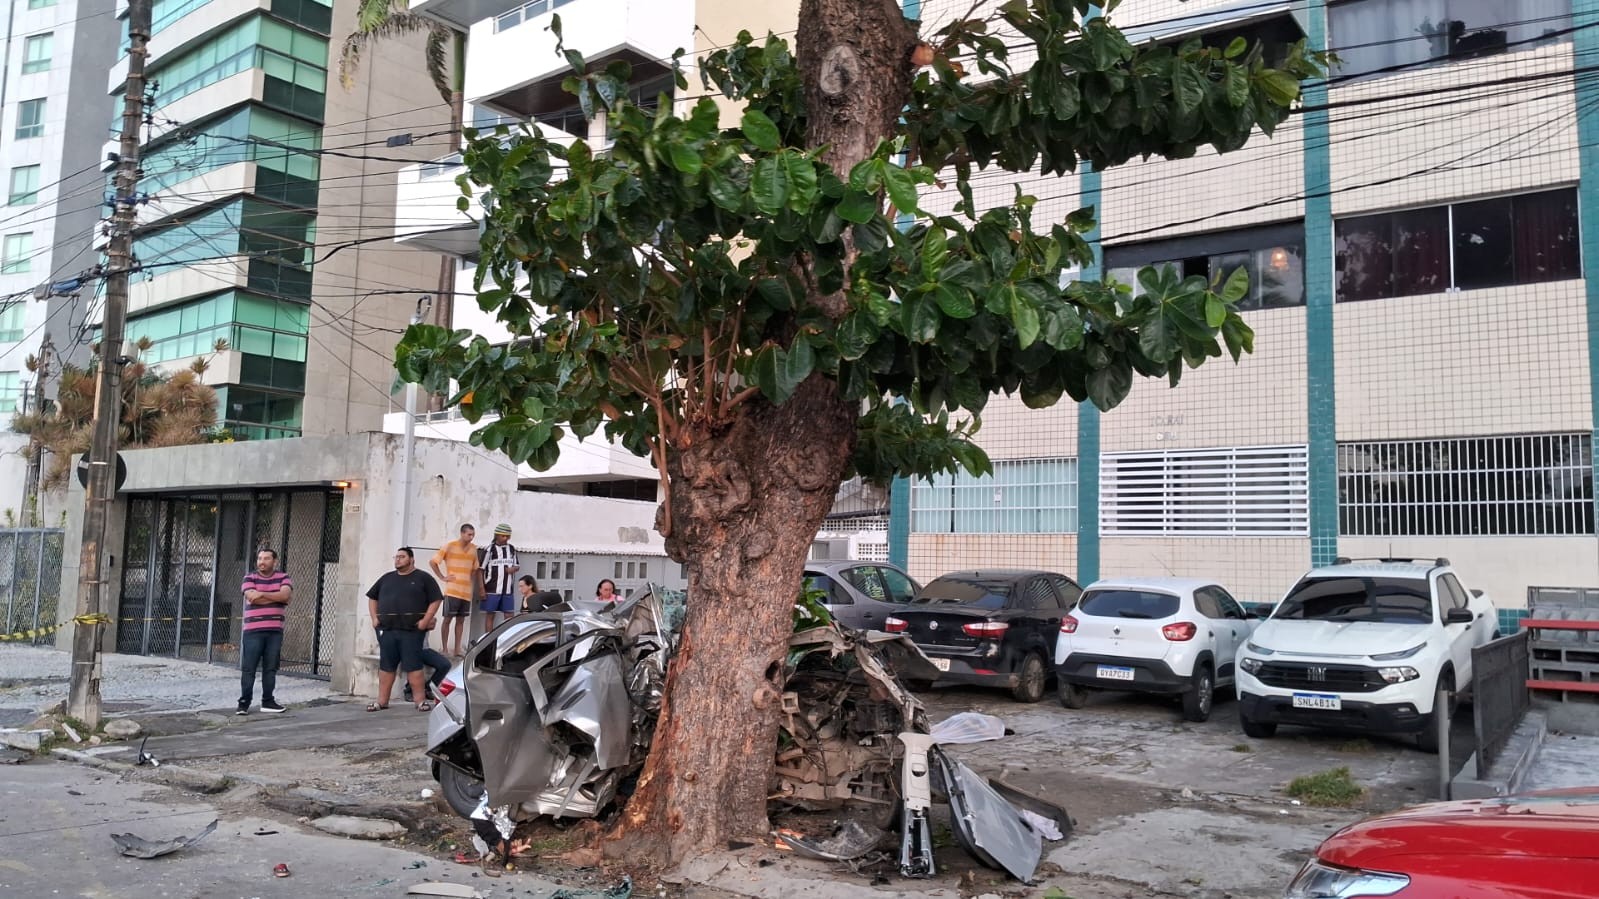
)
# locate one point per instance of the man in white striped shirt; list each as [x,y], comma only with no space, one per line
[498,561]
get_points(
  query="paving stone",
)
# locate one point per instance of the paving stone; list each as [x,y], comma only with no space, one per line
[358,828]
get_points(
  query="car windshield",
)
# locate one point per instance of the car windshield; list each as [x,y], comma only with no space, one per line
[1385,599]
[1122,603]
[976,592]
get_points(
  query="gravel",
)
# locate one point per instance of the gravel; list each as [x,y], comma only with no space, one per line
[35,678]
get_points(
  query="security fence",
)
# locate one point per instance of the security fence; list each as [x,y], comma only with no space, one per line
[30,579]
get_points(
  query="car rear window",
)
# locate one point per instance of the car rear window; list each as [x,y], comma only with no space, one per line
[1128,604]
[982,594]
[1385,599]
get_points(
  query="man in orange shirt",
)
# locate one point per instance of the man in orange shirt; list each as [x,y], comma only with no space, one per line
[457,568]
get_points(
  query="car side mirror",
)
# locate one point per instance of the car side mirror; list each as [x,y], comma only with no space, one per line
[1459,616]
[1262,611]
[1477,593]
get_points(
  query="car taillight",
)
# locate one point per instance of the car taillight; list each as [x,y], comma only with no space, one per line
[446,687]
[896,625]
[1068,625]
[985,630]
[1180,632]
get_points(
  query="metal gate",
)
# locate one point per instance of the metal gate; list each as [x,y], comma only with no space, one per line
[185,558]
[30,579]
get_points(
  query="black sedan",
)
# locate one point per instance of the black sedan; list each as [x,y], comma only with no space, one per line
[992,627]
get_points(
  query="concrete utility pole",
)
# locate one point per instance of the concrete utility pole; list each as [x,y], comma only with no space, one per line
[83,702]
[30,488]
[408,448]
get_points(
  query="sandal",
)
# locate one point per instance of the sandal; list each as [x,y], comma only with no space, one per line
[374,707]
[425,705]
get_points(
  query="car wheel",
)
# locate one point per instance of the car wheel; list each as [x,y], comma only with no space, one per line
[462,791]
[1427,740]
[1031,679]
[1260,730]
[1200,696]
[1073,696]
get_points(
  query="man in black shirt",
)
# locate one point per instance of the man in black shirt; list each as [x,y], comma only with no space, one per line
[404,605]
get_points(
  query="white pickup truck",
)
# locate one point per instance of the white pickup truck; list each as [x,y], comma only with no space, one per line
[1363,645]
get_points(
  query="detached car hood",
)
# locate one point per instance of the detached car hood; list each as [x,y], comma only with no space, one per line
[1350,639]
[1555,825]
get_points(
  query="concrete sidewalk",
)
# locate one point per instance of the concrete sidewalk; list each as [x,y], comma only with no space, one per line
[326,725]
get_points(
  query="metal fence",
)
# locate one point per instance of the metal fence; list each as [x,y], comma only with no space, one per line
[30,579]
[1499,694]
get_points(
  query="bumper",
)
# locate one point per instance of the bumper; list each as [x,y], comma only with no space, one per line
[984,671]
[1149,675]
[1377,717]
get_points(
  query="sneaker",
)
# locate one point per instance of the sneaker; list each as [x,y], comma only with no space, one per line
[271,706]
[408,693]
[244,707]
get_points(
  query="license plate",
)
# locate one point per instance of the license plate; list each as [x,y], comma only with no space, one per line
[1111,672]
[941,664]
[1327,701]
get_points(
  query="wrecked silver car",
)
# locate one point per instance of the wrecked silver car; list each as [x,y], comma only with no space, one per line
[563,705]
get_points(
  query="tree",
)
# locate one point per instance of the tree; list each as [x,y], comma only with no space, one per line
[739,304]
[158,409]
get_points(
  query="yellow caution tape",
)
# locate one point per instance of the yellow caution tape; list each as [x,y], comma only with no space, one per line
[38,632]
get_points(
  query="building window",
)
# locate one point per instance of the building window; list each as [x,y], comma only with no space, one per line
[36,53]
[1373,36]
[1022,496]
[1272,256]
[16,253]
[30,119]
[11,320]
[1524,239]
[24,185]
[527,12]
[10,391]
[1523,485]
[1257,491]
[41,4]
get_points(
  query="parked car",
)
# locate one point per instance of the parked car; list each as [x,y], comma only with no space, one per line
[1535,846]
[1363,645]
[994,627]
[1177,636]
[861,594]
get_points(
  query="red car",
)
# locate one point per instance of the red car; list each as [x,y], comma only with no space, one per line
[1533,846]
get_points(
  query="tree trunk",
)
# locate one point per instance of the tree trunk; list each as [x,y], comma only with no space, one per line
[747,500]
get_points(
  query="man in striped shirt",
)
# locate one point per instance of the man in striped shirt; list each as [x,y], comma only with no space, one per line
[267,593]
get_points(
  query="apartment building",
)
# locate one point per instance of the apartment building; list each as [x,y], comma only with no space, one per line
[264,177]
[1422,380]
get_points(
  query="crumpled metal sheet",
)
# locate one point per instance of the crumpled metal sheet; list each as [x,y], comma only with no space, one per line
[135,846]
[594,700]
[987,825]
[852,841]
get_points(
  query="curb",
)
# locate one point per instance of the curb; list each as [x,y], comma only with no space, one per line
[171,775]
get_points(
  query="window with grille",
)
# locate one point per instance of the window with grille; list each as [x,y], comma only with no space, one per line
[1273,257]
[1021,496]
[1524,239]
[1256,491]
[1521,485]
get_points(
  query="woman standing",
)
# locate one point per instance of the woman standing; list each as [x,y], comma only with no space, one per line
[606,591]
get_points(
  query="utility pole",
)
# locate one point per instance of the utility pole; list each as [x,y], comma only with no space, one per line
[30,487]
[83,701]
[408,449]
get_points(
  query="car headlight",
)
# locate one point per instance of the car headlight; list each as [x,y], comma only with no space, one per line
[1251,665]
[1258,650]
[1321,881]
[1396,656]
[1398,675]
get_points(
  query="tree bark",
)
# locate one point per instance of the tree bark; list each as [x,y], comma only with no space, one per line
[747,500]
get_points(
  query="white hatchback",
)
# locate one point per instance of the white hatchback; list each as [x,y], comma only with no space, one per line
[1176,636]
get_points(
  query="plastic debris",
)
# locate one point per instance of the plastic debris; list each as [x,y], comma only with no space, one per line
[967,727]
[622,890]
[427,794]
[71,733]
[135,846]
[1041,825]
[851,841]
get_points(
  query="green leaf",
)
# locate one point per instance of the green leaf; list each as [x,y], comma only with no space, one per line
[797,363]
[1281,87]
[1215,311]
[1158,338]
[1236,82]
[724,192]
[856,334]
[760,130]
[801,174]
[1108,386]
[867,175]
[765,372]
[1236,288]
[920,318]
[954,301]
[1239,336]
[1236,48]
[1024,315]
[901,189]
[935,250]
[685,158]
[769,186]
[858,207]
[1188,87]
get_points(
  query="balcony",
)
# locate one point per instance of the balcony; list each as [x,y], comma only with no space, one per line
[512,66]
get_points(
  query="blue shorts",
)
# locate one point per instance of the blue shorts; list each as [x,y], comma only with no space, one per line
[499,602]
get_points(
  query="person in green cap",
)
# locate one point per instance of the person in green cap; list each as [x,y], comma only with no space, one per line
[499,566]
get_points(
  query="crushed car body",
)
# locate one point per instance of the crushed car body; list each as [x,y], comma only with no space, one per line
[563,705]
